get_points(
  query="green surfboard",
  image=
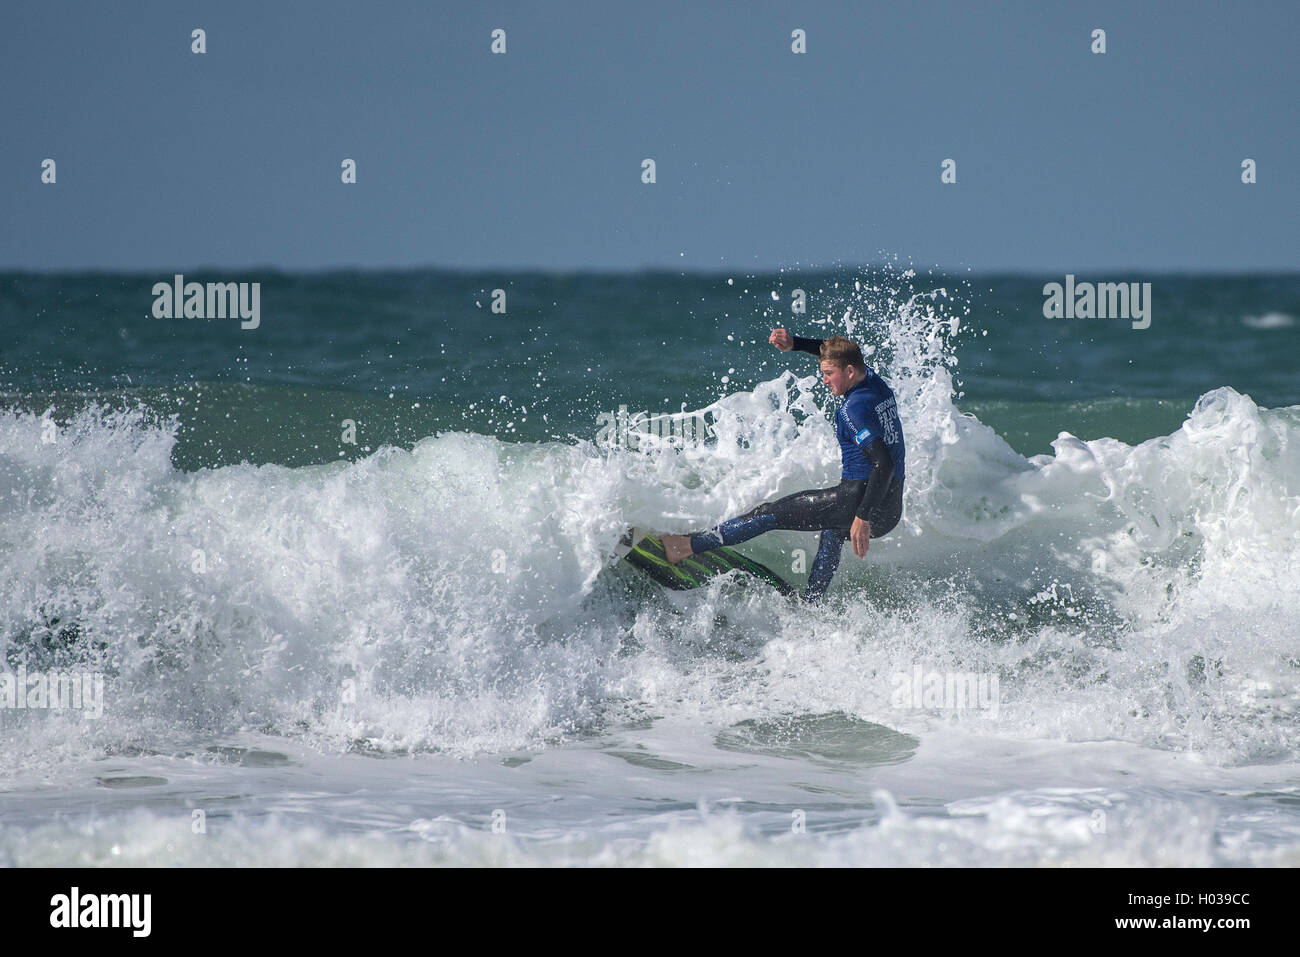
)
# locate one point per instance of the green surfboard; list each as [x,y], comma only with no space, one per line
[648,555]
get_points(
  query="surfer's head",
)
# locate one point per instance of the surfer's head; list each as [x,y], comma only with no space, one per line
[842,364]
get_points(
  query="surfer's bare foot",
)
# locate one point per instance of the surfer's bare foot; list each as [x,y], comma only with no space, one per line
[677,547]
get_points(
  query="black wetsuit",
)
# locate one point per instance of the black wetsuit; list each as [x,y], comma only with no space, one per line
[872,454]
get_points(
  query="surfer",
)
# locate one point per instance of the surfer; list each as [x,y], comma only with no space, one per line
[867,503]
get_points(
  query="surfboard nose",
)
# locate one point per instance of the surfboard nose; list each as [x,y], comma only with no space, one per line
[628,541]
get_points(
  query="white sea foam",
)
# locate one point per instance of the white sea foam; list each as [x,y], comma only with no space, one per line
[455,597]
[1056,827]
[1269,320]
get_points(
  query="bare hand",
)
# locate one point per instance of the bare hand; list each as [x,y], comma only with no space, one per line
[781,339]
[860,535]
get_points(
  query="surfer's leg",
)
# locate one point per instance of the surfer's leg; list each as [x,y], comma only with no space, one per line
[829,549]
[807,511]
[801,512]
[883,519]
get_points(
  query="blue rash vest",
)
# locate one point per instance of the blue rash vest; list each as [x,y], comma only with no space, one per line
[868,412]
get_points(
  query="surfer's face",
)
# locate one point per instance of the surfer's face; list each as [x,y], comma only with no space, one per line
[836,379]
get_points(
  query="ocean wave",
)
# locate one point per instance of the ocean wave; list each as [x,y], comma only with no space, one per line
[460,597]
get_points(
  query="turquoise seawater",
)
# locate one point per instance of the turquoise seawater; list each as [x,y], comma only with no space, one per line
[408,354]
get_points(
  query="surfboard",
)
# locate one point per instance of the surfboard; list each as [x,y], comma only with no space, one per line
[646,552]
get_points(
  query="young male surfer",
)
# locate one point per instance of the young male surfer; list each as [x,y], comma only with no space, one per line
[866,504]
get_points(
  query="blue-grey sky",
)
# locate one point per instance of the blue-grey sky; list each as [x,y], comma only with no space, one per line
[1067,160]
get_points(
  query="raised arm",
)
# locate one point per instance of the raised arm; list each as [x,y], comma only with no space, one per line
[786,342]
